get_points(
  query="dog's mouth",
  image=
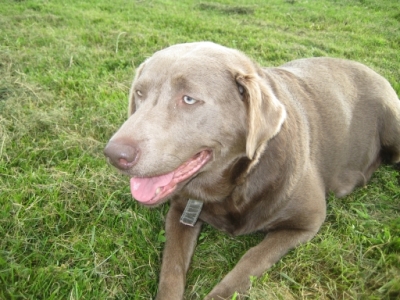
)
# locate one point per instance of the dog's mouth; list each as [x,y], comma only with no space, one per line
[152,190]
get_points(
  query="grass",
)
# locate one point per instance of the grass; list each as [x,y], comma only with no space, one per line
[68,226]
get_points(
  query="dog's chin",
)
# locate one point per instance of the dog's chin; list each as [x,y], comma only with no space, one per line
[155,190]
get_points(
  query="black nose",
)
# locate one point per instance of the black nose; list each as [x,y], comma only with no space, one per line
[122,154]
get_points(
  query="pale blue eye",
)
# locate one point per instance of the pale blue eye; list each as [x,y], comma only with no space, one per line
[189,100]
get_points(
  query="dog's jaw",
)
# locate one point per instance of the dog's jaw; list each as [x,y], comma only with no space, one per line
[155,190]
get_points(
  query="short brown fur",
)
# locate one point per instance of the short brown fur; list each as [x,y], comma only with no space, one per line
[281,139]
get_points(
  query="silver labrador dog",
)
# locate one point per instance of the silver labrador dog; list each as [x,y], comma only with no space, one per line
[254,149]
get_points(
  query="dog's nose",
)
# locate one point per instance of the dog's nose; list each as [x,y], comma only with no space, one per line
[122,155]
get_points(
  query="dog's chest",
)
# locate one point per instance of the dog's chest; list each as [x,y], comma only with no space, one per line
[227,218]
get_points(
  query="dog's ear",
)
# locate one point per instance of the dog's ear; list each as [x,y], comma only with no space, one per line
[132,92]
[265,113]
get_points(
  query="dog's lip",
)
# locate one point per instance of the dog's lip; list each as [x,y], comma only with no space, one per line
[149,194]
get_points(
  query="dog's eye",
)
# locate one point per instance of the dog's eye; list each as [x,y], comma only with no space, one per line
[189,100]
[139,93]
[241,89]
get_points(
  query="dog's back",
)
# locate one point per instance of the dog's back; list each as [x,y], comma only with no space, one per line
[353,126]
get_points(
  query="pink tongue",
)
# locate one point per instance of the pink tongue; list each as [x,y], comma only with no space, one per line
[144,189]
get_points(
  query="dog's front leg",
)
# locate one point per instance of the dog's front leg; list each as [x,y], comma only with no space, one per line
[179,247]
[257,260]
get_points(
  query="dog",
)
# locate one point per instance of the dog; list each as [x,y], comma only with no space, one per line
[247,149]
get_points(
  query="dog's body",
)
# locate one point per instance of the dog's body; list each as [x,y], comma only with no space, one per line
[259,147]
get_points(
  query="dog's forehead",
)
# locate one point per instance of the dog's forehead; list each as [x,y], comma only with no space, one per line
[196,49]
[194,66]
[191,57]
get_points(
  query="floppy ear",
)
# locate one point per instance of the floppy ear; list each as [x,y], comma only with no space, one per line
[132,92]
[265,113]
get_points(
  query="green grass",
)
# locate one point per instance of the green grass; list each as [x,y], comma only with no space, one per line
[68,226]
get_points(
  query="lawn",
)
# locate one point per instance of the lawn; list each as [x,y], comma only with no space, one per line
[69,228]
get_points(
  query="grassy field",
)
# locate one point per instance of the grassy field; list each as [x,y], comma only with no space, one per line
[68,226]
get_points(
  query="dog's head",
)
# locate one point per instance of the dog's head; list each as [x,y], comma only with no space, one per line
[194,109]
